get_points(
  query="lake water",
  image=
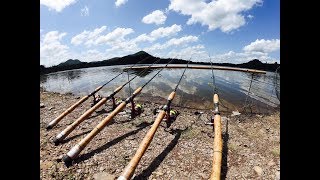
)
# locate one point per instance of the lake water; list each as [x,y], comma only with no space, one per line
[194,92]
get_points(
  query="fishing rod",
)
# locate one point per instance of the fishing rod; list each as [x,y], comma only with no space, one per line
[217,141]
[83,99]
[166,111]
[75,151]
[63,134]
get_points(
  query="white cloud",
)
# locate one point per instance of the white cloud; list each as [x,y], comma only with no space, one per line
[264,46]
[95,37]
[57,5]
[167,31]
[85,11]
[242,57]
[223,14]
[157,17]
[250,16]
[144,37]
[116,35]
[120,2]
[88,37]
[52,51]
[183,41]
[196,53]
[159,33]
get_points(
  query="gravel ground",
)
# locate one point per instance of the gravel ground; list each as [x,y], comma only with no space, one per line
[251,144]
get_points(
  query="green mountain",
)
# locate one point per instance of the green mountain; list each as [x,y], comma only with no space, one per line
[70,62]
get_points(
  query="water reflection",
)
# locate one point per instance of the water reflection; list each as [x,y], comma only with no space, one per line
[195,90]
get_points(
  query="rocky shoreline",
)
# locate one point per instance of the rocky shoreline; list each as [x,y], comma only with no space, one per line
[251,144]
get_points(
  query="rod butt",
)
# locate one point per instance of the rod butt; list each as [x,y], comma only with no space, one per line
[122,178]
[56,141]
[49,127]
[67,160]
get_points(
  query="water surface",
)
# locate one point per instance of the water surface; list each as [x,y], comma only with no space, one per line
[195,90]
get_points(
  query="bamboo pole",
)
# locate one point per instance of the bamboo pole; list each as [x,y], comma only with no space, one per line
[130,168]
[208,67]
[217,142]
[62,135]
[75,151]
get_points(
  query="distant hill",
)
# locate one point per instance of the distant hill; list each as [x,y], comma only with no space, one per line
[148,59]
[70,62]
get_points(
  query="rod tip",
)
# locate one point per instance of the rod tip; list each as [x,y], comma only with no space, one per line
[56,141]
[67,160]
[49,127]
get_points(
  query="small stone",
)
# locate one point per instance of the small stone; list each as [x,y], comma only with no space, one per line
[79,171]
[271,163]
[258,170]
[42,105]
[51,108]
[104,176]
[159,173]
[235,113]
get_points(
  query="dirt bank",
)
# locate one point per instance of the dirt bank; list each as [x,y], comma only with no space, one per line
[251,144]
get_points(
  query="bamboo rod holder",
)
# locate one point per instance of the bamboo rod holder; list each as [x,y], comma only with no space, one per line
[217,144]
[130,168]
[66,112]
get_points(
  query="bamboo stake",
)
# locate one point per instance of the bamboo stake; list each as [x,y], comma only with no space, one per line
[62,135]
[208,67]
[130,168]
[75,151]
[217,142]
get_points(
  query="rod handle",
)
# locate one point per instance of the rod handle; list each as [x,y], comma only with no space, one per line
[171,96]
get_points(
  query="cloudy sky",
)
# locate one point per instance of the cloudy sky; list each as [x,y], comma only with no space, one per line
[232,31]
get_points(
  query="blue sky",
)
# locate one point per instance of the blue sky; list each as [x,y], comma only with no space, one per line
[232,31]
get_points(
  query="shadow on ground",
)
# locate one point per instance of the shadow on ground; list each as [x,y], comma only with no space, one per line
[111,143]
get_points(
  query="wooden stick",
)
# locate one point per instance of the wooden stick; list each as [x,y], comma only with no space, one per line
[129,170]
[217,142]
[206,67]
[75,151]
[66,112]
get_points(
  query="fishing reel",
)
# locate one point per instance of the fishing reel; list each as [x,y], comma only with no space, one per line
[136,109]
[96,99]
[171,115]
